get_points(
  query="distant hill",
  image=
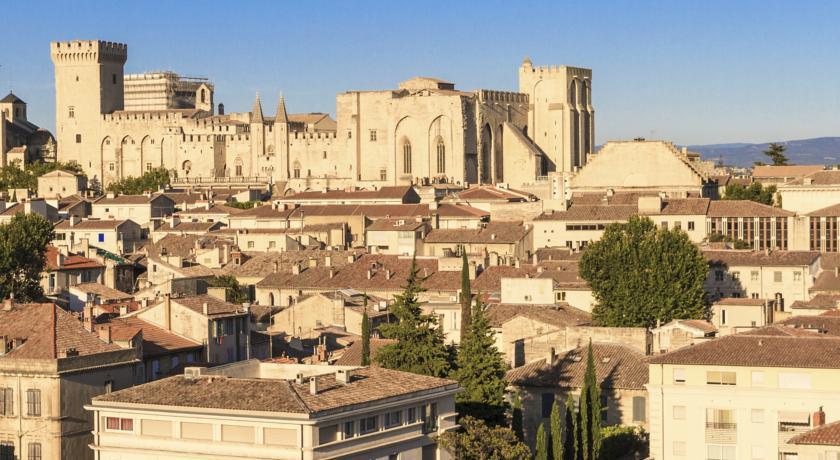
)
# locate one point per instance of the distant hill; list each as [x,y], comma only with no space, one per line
[820,150]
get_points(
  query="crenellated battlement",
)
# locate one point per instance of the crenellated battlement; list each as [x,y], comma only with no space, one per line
[324,136]
[488,95]
[88,51]
[552,70]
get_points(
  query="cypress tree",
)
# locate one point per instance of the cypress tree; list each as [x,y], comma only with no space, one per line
[570,430]
[481,372]
[590,410]
[365,335]
[420,346]
[466,294]
[516,417]
[542,444]
[556,432]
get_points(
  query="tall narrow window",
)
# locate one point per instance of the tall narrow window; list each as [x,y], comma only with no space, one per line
[297,170]
[34,451]
[33,403]
[406,157]
[202,95]
[71,112]
[441,156]
[383,174]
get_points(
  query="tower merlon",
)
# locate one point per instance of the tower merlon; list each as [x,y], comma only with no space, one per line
[88,50]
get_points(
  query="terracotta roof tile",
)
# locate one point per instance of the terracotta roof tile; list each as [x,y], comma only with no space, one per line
[275,395]
[760,258]
[451,211]
[555,315]
[352,355]
[70,262]
[826,435]
[744,208]
[156,341]
[494,232]
[616,367]
[791,171]
[396,192]
[215,307]
[831,177]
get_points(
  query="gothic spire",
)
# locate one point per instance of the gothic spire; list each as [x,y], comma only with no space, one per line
[281,116]
[256,112]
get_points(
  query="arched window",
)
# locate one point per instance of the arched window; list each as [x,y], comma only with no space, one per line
[202,95]
[297,170]
[271,298]
[441,156]
[186,166]
[573,93]
[406,157]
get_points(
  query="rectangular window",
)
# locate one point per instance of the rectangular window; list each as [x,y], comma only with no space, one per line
[723,317]
[119,424]
[250,245]
[639,408]
[148,166]
[795,380]
[678,412]
[349,429]
[383,174]
[7,450]
[367,425]
[757,378]
[547,404]
[33,403]
[272,244]
[428,415]
[71,112]
[736,275]
[412,415]
[679,375]
[373,135]
[718,275]
[110,168]
[797,276]
[679,448]
[757,453]
[78,138]
[753,275]
[101,237]
[720,378]
[691,225]
[757,415]
[720,419]
[327,434]
[720,452]
[777,277]
[393,419]
[34,451]
[678,225]
[7,401]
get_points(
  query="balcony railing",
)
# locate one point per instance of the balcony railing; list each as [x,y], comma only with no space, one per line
[721,426]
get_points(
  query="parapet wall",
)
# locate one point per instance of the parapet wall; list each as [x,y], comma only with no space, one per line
[88,50]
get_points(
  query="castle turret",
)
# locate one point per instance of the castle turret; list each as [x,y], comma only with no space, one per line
[281,139]
[88,84]
[257,139]
[561,119]
[256,111]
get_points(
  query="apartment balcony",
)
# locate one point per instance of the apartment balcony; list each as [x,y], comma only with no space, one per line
[721,433]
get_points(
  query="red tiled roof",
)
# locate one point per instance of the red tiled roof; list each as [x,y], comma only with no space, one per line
[494,232]
[555,315]
[616,367]
[156,341]
[826,435]
[451,211]
[791,171]
[744,208]
[47,331]
[396,192]
[71,261]
[215,306]
[760,258]
[91,224]
[352,355]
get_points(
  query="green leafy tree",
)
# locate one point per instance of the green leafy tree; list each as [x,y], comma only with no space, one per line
[640,274]
[571,434]
[242,204]
[556,432]
[542,444]
[776,153]
[753,192]
[365,336]
[481,372]
[234,292]
[150,181]
[466,294]
[23,246]
[478,441]
[590,411]
[516,417]
[420,346]
[621,441]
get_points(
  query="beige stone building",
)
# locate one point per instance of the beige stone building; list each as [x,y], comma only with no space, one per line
[59,183]
[117,125]
[50,367]
[20,140]
[260,410]
[742,396]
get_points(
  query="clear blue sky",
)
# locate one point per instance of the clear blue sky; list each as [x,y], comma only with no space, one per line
[693,72]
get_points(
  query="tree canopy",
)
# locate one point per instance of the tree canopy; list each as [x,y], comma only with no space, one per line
[481,372]
[753,192]
[234,292]
[641,274]
[776,153]
[420,346]
[150,181]
[23,245]
[478,441]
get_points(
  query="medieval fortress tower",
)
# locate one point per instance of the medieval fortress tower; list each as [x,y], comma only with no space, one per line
[425,131]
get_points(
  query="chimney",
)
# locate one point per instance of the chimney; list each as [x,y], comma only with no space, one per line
[296,269]
[276,266]
[313,262]
[167,312]
[343,376]
[299,378]
[388,274]
[369,273]
[105,333]
[313,385]
[205,309]
[332,272]
[818,418]
[123,310]
[351,258]
[87,316]
[328,261]
[550,355]
[74,219]
[516,263]
[837,271]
